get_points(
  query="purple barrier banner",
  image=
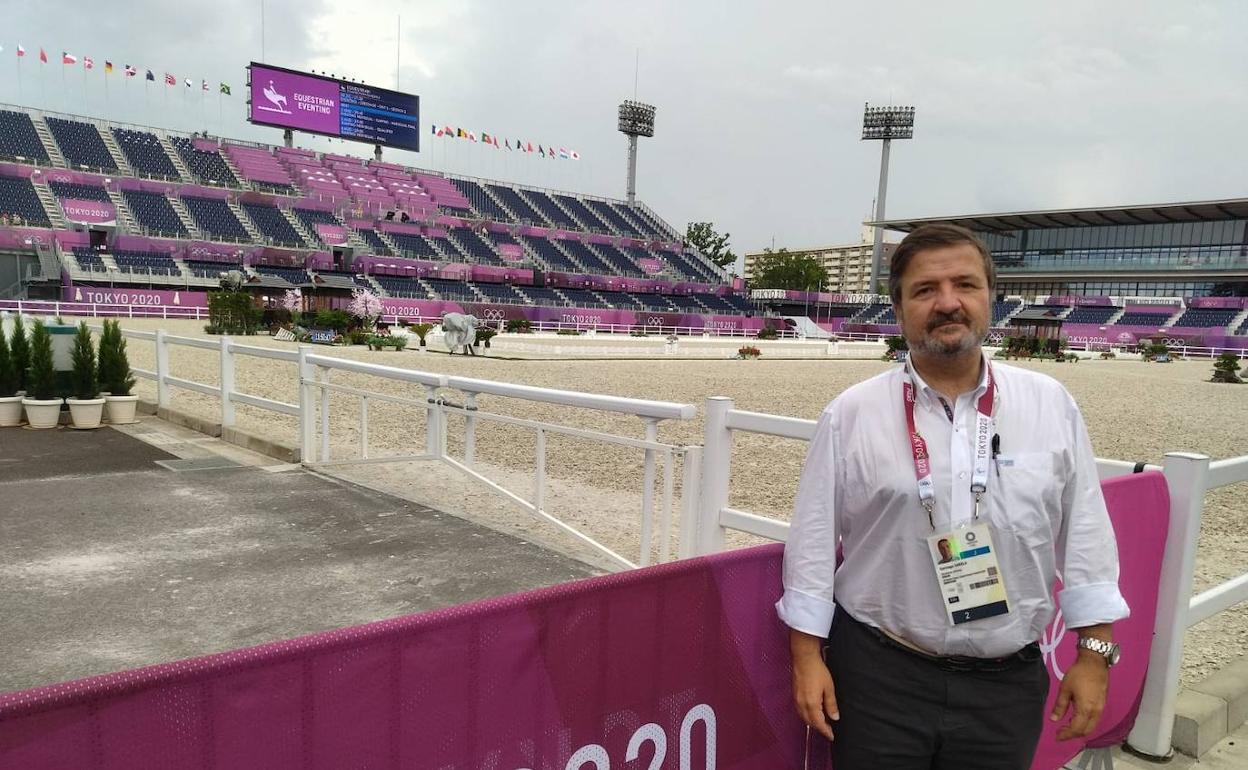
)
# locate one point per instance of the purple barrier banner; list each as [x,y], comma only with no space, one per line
[69,238]
[1214,337]
[205,145]
[687,656]
[1218,302]
[511,251]
[418,308]
[650,265]
[199,191]
[146,185]
[398,227]
[90,212]
[108,295]
[143,243]
[599,238]
[1075,299]
[334,235]
[495,274]
[27,237]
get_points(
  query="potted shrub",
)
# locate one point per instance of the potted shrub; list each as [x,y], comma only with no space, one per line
[1225,369]
[19,352]
[86,406]
[10,401]
[749,352]
[116,377]
[421,331]
[43,408]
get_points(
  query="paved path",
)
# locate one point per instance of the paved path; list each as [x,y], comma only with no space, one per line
[123,550]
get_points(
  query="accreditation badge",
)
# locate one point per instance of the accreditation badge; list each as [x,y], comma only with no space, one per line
[968,574]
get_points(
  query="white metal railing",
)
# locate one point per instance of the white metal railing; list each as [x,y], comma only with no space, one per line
[1188,476]
[103,310]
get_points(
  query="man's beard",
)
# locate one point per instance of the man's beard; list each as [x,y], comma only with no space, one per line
[965,343]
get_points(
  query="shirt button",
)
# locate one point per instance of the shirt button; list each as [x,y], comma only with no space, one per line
[962,475]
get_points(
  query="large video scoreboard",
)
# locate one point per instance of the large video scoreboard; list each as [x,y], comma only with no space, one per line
[322,105]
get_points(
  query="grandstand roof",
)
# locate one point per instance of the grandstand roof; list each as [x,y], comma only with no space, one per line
[1197,211]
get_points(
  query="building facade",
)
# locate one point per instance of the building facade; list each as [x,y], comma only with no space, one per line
[848,265]
[1169,250]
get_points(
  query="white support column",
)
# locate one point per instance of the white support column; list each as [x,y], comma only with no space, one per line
[433,423]
[307,424]
[690,495]
[162,370]
[324,378]
[1186,478]
[227,383]
[647,494]
[470,429]
[539,473]
[716,474]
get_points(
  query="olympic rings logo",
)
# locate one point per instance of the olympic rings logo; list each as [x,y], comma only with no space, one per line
[492,314]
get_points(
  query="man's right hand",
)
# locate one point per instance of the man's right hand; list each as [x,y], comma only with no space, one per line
[813,690]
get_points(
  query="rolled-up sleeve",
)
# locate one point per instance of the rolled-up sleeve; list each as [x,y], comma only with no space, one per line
[810,553]
[1087,551]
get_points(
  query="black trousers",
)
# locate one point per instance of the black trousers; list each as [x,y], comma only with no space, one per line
[902,712]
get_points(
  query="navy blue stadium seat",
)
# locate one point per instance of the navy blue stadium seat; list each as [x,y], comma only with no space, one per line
[1091,314]
[582,297]
[88,259]
[550,254]
[18,197]
[296,276]
[272,225]
[145,153]
[206,165]
[414,246]
[155,213]
[591,261]
[500,292]
[588,219]
[81,144]
[146,262]
[1206,317]
[88,192]
[512,200]
[481,201]
[1142,319]
[452,290]
[313,217]
[374,241]
[471,243]
[406,288]
[201,269]
[550,210]
[19,140]
[544,295]
[216,218]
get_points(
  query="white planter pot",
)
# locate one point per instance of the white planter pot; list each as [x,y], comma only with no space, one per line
[10,411]
[86,413]
[119,410]
[42,414]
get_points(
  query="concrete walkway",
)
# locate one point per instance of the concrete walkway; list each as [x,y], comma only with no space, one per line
[1231,753]
[141,544]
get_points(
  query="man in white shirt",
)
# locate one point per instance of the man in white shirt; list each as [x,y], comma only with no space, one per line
[932,662]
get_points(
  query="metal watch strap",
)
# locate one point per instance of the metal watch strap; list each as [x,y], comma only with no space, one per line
[1099,646]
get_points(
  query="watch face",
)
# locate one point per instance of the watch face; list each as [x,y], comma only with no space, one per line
[1114,654]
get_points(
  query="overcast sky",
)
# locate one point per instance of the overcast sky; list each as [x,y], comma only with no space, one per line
[1019,105]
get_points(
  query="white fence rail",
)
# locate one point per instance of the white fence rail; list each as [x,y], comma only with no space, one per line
[706,514]
[1188,476]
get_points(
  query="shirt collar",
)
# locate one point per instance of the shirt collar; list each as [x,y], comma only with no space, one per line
[930,395]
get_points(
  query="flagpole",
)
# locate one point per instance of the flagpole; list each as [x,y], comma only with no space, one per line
[19,80]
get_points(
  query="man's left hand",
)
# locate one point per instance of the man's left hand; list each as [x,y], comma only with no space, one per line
[1083,688]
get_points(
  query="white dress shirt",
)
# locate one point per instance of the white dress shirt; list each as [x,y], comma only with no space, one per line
[1043,502]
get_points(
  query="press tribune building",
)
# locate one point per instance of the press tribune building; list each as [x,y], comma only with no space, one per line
[1169,250]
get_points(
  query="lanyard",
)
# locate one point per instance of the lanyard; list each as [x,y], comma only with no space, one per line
[922,460]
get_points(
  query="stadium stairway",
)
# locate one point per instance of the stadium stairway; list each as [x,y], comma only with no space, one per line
[128,222]
[1237,321]
[114,149]
[49,144]
[309,240]
[229,163]
[51,206]
[253,232]
[499,201]
[386,239]
[1113,319]
[184,214]
[180,165]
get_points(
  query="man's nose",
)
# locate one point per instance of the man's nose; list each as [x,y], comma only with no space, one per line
[947,299]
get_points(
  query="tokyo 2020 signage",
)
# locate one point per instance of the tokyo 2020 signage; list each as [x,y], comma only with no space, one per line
[319,105]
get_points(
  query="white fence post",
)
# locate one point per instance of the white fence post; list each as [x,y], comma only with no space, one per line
[1186,478]
[162,370]
[307,424]
[324,378]
[470,429]
[647,494]
[433,423]
[227,383]
[716,473]
[690,495]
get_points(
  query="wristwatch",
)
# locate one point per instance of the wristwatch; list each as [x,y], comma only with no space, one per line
[1107,650]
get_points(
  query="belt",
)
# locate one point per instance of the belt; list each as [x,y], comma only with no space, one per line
[955,663]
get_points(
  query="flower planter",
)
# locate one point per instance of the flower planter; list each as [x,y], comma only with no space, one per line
[41,414]
[86,413]
[119,410]
[10,411]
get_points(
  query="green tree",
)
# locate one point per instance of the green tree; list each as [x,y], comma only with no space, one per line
[85,377]
[782,270]
[41,385]
[702,236]
[19,352]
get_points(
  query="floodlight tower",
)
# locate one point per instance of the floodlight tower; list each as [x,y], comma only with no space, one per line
[886,124]
[636,119]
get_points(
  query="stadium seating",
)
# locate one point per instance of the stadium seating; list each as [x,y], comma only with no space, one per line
[591,262]
[588,219]
[18,197]
[512,200]
[550,210]
[215,218]
[406,288]
[870,312]
[481,201]
[206,165]
[88,259]
[446,248]
[145,153]
[87,192]
[81,144]
[1087,314]
[414,246]
[476,247]
[273,225]
[452,290]
[638,222]
[313,217]
[689,267]
[1206,317]
[19,140]
[608,213]
[500,292]
[685,304]
[155,213]
[206,269]
[1142,319]
[374,241]
[623,262]
[717,304]
[151,263]
[654,302]
[550,254]
[293,275]
[1002,309]
[582,298]
[1243,329]
[544,295]
[738,303]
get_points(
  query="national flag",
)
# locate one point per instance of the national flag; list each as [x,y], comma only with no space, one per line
[563,153]
[485,137]
[20,50]
[507,143]
[540,151]
[204,87]
[575,155]
[130,71]
[170,80]
[461,134]
[225,89]
[150,76]
[43,56]
[68,58]
[188,82]
[88,63]
[108,67]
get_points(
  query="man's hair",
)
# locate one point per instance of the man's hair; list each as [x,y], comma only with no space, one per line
[935,237]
